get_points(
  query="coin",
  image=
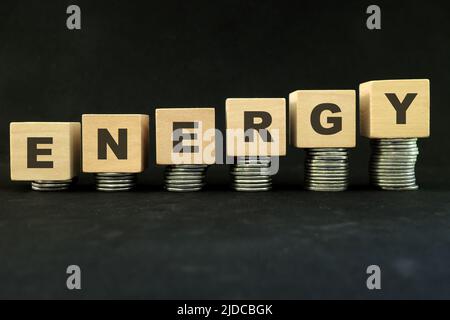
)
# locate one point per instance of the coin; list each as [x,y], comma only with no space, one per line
[185,177]
[326,169]
[111,182]
[252,174]
[392,163]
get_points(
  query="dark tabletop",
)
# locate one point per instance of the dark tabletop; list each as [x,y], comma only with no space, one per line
[287,243]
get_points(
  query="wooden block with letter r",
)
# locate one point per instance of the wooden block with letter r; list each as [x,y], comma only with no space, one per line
[395,108]
[115,143]
[47,151]
[322,118]
[185,136]
[256,126]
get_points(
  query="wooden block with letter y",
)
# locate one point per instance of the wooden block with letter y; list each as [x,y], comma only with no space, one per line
[185,136]
[395,108]
[322,118]
[115,143]
[44,150]
[256,127]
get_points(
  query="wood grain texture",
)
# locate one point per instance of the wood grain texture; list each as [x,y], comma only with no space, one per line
[137,126]
[378,116]
[65,150]
[235,135]
[301,105]
[205,141]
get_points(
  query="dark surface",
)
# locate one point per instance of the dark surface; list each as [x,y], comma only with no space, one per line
[132,56]
[287,243]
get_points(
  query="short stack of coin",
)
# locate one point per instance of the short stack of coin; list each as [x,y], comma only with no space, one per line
[185,177]
[59,185]
[392,163]
[326,169]
[252,174]
[115,181]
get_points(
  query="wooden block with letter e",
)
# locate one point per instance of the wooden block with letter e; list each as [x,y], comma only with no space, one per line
[115,143]
[256,127]
[395,108]
[185,136]
[44,150]
[322,118]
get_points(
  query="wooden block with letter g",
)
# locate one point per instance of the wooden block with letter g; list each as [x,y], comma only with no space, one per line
[115,143]
[395,108]
[256,127]
[322,118]
[185,136]
[44,150]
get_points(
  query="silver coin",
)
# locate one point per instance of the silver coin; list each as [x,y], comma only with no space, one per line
[251,174]
[186,186]
[185,178]
[114,189]
[326,188]
[403,188]
[173,189]
[392,163]
[251,188]
[51,185]
[115,181]
[326,169]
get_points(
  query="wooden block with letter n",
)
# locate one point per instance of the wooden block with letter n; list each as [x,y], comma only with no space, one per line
[395,108]
[115,143]
[44,151]
[322,118]
[256,127]
[185,136]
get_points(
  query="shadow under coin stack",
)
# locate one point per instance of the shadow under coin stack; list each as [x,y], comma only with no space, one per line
[252,174]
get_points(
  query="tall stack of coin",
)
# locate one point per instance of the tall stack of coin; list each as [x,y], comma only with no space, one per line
[252,174]
[392,163]
[115,181]
[185,177]
[326,169]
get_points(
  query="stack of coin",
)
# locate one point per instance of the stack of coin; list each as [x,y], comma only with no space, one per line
[185,177]
[252,174]
[115,181]
[326,169]
[392,163]
[41,185]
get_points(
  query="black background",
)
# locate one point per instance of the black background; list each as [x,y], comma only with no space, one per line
[134,56]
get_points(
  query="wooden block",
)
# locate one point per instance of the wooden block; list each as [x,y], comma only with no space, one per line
[395,108]
[44,150]
[116,143]
[185,136]
[323,118]
[256,127]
